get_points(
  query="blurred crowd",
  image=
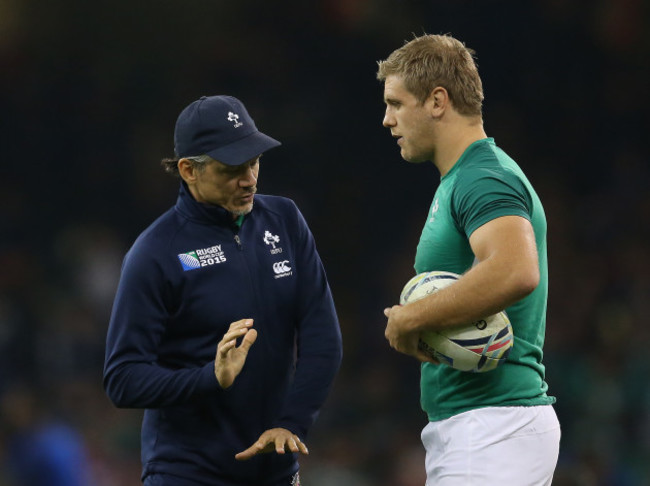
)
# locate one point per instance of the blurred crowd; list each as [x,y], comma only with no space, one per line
[89,93]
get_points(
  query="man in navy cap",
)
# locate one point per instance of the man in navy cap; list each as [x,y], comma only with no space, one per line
[235,271]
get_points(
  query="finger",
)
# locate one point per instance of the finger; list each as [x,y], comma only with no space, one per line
[245,455]
[234,334]
[428,358]
[250,452]
[248,340]
[387,311]
[280,444]
[242,323]
[292,443]
[237,329]
[425,358]
[295,445]
[302,447]
[224,347]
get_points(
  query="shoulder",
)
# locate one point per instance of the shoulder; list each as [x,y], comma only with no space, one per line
[488,184]
[274,203]
[277,207]
[280,212]
[488,169]
[157,237]
[482,160]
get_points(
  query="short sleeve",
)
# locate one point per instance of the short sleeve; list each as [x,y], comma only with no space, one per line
[483,194]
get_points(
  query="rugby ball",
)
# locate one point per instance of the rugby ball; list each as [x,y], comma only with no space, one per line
[477,346]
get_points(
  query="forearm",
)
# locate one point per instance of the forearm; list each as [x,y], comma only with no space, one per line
[318,360]
[311,385]
[489,287]
[144,385]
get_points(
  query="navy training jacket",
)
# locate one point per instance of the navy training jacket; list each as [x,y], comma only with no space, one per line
[184,281]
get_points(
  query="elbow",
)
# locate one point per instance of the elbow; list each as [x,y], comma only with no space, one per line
[115,398]
[118,400]
[115,391]
[526,282]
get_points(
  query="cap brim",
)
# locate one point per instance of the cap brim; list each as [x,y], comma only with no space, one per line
[244,149]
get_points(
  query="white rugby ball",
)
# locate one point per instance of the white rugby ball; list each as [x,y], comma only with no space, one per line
[476,347]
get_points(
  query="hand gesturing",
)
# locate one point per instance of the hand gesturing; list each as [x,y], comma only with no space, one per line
[230,358]
[276,440]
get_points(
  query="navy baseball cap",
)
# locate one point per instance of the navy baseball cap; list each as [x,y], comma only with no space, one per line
[219,126]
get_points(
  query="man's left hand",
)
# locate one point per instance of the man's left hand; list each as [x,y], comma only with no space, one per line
[278,440]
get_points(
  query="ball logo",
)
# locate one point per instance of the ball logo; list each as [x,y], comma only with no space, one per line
[281,269]
[480,324]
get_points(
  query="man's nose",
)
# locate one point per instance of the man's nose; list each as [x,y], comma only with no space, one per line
[248,178]
[388,120]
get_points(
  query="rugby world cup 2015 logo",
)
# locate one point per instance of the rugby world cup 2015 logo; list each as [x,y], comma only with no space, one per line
[204,257]
[189,260]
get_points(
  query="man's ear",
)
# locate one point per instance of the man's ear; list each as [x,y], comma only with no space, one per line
[187,170]
[438,101]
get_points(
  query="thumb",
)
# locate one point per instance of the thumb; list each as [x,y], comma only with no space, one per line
[249,339]
[387,311]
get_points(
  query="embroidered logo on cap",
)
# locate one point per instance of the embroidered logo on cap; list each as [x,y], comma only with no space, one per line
[234,117]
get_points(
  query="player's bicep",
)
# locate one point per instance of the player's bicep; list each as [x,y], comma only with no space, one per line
[509,243]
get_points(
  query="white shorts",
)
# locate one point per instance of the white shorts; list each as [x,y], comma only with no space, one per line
[495,445]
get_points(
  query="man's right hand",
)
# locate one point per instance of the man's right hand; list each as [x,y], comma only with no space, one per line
[230,358]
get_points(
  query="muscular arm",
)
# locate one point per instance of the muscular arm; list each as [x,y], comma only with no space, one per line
[506,271]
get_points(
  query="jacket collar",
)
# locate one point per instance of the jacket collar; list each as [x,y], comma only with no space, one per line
[200,212]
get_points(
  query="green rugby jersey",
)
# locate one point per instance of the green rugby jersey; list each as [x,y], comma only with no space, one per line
[485,184]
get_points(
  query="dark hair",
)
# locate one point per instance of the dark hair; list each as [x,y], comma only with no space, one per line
[170,165]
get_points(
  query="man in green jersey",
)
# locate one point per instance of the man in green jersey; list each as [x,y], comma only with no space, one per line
[487,223]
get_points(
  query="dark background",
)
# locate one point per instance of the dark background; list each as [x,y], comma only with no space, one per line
[89,93]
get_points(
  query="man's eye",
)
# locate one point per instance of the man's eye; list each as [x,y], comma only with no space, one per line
[229,171]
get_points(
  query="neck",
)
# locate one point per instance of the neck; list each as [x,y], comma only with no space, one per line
[455,139]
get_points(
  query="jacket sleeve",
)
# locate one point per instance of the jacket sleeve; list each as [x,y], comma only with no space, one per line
[132,377]
[319,344]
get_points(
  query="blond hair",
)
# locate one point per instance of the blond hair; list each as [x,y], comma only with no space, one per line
[430,61]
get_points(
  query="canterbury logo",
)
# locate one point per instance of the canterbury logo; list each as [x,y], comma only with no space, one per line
[281,267]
